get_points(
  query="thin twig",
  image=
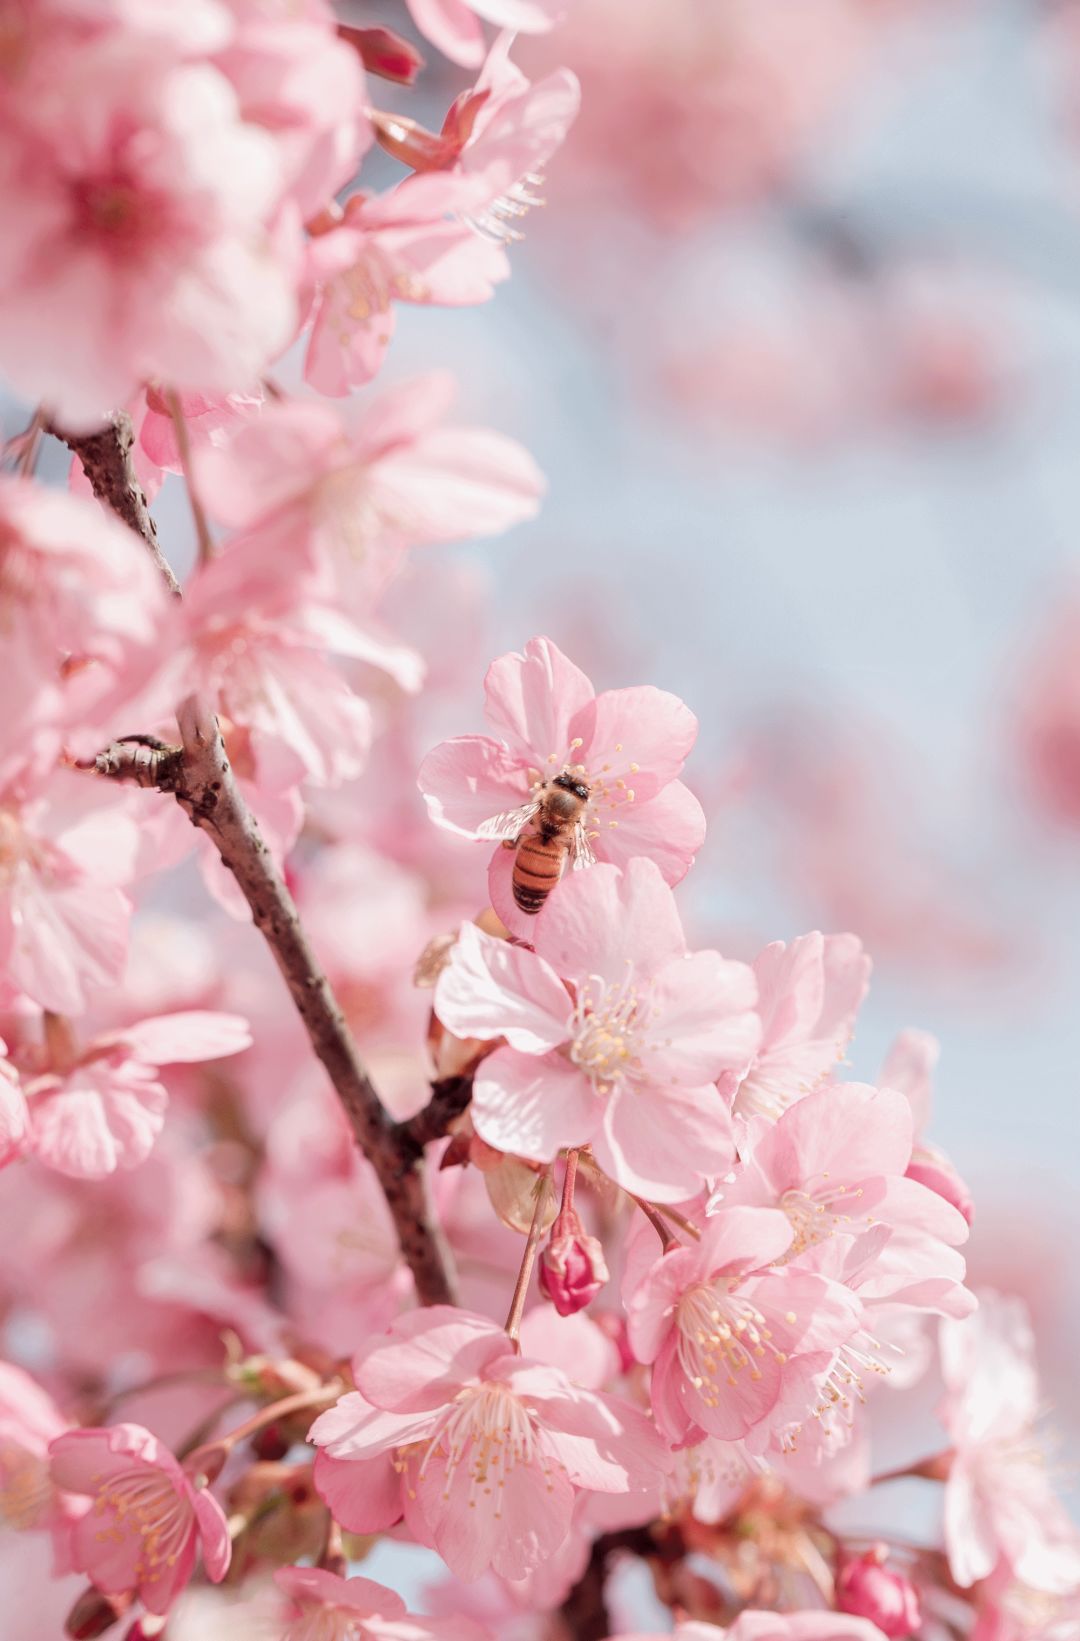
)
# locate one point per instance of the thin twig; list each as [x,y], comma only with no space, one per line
[183,440]
[536,1231]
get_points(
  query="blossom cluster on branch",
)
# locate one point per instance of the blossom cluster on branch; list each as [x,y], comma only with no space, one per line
[503,1221]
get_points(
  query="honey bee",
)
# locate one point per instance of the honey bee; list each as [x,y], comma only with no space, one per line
[546,832]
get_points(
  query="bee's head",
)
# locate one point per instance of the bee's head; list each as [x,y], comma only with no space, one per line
[569,784]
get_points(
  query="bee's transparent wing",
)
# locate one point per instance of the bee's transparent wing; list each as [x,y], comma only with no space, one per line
[581,850]
[507,826]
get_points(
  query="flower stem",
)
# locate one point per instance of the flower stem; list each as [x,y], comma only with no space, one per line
[517,1304]
[202,529]
[219,1449]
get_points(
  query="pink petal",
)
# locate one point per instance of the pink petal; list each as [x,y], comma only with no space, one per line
[641,735]
[850,1132]
[470,780]
[532,698]
[909,1066]
[191,1036]
[669,829]
[268,462]
[363,1495]
[601,921]
[454,483]
[513,1528]
[660,1142]
[533,1106]
[702,1021]
[213,1533]
[493,989]
[353,1429]
[744,1239]
[426,1357]
[452,28]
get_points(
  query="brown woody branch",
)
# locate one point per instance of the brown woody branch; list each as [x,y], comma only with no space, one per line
[200,778]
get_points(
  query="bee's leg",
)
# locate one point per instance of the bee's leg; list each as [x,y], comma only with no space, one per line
[511,843]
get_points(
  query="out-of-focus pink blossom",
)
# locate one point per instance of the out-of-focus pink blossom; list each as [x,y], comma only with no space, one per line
[729,1331]
[999,1503]
[774,1626]
[139,203]
[628,746]
[147,1518]
[317,1604]
[95,1109]
[82,612]
[869,1588]
[482,1450]
[29,1421]
[809,993]
[397,247]
[66,847]
[356,491]
[624,1057]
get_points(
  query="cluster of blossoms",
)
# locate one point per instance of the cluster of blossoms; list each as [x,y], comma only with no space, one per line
[252,1308]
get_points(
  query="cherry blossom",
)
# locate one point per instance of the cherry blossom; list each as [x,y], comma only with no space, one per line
[147,1519]
[626,1059]
[479,1448]
[453,25]
[132,175]
[397,247]
[94,1109]
[729,1331]
[29,1421]
[775,1626]
[870,1588]
[627,746]
[356,491]
[999,1505]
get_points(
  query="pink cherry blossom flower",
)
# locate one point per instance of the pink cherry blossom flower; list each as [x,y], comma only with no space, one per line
[147,1519]
[319,1606]
[482,1450]
[356,492]
[836,1163]
[82,611]
[66,847]
[139,202]
[453,25]
[999,1504]
[626,1059]
[627,746]
[398,247]
[99,1108]
[729,1332]
[809,994]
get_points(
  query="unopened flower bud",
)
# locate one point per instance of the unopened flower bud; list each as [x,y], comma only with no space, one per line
[95,1612]
[870,1589]
[384,53]
[572,1266]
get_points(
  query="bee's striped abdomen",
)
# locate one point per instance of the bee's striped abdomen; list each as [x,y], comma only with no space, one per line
[537,868]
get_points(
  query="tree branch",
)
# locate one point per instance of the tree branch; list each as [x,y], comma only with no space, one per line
[106,461]
[201,780]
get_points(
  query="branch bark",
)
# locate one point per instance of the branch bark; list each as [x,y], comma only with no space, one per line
[202,782]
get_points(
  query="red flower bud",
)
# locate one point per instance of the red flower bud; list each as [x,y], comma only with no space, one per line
[384,53]
[95,1612]
[572,1266]
[870,1589]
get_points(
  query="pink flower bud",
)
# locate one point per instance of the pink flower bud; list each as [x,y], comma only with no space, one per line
[870,1589]
[384,53]
[572,1267]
